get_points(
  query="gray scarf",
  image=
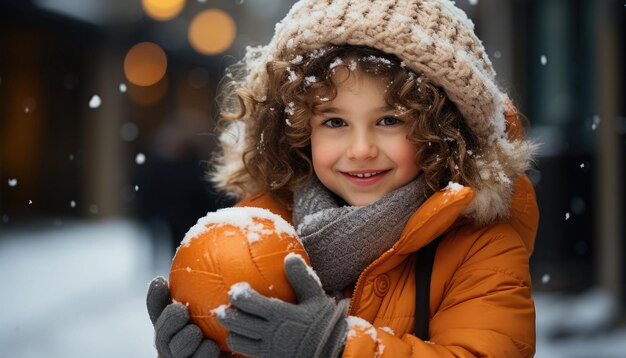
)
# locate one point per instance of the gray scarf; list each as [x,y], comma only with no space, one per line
[343,241]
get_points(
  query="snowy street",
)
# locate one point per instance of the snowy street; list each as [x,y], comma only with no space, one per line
[76,291]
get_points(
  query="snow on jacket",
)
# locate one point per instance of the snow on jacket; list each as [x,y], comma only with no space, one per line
[480,296]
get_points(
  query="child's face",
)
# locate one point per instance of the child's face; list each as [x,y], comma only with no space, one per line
[359,145]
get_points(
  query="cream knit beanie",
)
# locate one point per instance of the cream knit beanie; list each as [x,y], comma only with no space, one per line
[433,37]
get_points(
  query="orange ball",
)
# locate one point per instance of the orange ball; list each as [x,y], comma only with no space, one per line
[229,246]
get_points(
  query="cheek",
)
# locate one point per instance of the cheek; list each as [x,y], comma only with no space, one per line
[403,154]
[322,153]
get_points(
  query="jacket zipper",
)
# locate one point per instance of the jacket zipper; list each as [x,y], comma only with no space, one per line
[356,295]
[358,288]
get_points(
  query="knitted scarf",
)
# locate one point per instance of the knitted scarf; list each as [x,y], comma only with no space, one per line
[343,240]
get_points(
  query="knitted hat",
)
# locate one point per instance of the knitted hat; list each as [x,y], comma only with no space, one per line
[433,37]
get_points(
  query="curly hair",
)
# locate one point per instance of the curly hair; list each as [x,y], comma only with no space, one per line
[277,150]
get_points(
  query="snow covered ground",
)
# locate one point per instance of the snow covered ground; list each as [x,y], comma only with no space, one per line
[581,326]
[78,290]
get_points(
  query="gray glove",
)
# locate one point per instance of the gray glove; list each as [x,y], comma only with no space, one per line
[175,335]
[268,327]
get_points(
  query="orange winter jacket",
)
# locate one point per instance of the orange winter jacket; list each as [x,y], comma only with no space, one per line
[480,294]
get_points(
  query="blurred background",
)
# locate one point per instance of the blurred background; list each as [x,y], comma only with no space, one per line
[107,112]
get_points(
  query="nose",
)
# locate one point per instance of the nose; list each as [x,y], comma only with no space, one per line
[362,146]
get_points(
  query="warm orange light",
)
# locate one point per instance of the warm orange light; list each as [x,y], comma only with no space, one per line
[148,95]
[145,64]
[162,10]
[212,32]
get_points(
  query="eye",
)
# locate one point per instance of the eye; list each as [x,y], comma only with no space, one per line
[334,122]
[389,121]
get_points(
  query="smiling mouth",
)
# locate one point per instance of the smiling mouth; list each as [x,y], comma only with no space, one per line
[365,175]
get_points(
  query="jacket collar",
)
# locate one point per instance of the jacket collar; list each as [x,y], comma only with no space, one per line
[433,218]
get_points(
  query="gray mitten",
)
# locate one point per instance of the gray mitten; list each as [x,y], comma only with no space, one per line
[268,327]
[175,335]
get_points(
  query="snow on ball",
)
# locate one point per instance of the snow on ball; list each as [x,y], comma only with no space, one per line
[227,247]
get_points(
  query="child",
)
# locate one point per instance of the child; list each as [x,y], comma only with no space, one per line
[377,129]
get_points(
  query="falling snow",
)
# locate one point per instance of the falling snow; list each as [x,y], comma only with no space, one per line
[123,87]
[12,182]
[72,204]
[95,102]
[473,2]
[30,202]
[140,158]
[136,187]
[566,216]
[544,60]
[596,122]
[545,278]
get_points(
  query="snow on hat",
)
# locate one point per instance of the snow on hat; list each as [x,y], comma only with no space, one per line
[433,37]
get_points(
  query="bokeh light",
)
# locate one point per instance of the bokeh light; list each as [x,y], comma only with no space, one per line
[212,32]
[129,131]
[145,64]
[162,10]
[148,95]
